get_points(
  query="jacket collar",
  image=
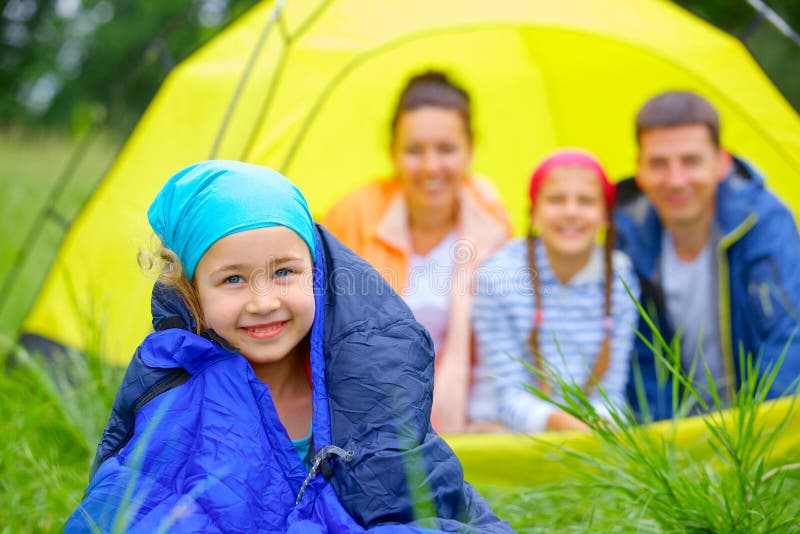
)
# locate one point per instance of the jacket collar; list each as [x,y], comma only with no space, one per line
[735,196]
[475,221]
[732,209]
[169,310]
[393,227]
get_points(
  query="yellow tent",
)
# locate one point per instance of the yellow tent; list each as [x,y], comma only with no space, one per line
[513,461]
[307,86]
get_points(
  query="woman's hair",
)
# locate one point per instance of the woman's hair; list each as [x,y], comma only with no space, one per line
[601,363]
[433,89]
[171,273]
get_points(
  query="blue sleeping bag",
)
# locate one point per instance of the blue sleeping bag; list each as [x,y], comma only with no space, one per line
[194,443]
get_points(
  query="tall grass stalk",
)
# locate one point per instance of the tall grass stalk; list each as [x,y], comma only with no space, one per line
[82,387]
[714,473]
[51,420]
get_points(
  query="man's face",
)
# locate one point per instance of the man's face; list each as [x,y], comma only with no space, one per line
[679,170]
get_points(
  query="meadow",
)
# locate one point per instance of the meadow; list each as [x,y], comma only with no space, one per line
[48,434]
[631,478]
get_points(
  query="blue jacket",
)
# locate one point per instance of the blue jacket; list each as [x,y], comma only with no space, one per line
[194,442]
[758,254]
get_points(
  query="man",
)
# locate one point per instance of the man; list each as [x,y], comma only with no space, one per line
[718,257]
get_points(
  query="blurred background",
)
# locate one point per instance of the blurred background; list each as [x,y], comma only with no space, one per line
[69,64]
[78,74]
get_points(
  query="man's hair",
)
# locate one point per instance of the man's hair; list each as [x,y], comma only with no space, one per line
[677,108]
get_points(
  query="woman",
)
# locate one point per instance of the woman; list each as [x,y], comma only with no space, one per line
[570,314]
[427,229]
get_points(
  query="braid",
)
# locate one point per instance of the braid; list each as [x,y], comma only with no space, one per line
[604,355]
[611,238]
[533,340]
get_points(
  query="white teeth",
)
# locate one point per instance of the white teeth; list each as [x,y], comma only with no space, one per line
[264,330]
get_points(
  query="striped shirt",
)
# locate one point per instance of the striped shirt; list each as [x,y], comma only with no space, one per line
[573,319]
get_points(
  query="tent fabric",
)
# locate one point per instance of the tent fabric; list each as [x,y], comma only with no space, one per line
[307,87]
[547,458]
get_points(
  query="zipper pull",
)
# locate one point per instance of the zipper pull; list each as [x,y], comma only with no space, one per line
[325,453]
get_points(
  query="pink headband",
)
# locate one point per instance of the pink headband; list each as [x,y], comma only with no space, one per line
[572,157]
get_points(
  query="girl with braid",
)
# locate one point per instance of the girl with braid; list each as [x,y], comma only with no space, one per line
[554,300]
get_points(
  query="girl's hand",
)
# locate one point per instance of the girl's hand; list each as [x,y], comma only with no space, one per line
[486,427]
[559,420]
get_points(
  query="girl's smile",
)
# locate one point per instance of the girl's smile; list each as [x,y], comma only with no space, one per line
[256,292]
[265,331]
[569,212]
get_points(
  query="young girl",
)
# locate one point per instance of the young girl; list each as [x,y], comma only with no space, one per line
[554,299]
[266,371]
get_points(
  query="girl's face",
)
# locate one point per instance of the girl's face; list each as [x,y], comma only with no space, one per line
[432,155]
[256,291]
[570,210]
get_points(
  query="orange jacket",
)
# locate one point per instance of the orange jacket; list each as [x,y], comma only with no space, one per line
[373,221]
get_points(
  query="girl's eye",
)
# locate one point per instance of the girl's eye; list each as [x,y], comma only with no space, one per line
[280,273]
[235,279]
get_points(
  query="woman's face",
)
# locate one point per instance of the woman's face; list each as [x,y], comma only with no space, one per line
[432,155]
[570,211]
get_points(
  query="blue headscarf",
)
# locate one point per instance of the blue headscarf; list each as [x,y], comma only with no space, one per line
[212,199]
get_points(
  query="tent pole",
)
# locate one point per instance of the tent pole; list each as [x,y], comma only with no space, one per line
[48,211]
[781,25]
[251,61]
[288,39]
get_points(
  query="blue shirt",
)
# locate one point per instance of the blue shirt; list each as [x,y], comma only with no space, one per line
[304,449]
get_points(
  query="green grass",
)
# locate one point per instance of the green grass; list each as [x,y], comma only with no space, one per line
[729,482]
[33,163]
[49,427]
[51,417]
[42,467]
